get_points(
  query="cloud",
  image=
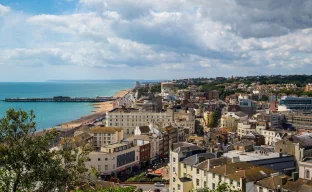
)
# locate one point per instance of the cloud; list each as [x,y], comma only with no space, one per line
[172,38]
[4,10]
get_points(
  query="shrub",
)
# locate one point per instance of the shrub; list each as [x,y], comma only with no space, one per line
[156,179]
[142,175]
[144,179]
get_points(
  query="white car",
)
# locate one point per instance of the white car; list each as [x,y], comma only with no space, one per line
[158,184]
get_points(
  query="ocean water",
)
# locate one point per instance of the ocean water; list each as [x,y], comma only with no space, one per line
[49,114]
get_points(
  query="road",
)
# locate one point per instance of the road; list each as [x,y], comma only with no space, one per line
[151,187]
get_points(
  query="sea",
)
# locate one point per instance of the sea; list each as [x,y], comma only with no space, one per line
[49,114]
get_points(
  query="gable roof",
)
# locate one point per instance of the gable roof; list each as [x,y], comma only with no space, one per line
[231,168]
[301,185]
[252,174]
[272,182]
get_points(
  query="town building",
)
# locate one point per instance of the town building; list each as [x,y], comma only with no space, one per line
[178,153]
[299,146]
[305,169]
[106,135]
[277,161]
[308,87]
[300,121]
[247,106]
[129,119]
[230,120]
[167,88]
[274,135]
[115,159]
[288,103]
[244,128]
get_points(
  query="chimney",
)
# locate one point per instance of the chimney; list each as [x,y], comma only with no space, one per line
[294,176]
[243,184]
[284,180]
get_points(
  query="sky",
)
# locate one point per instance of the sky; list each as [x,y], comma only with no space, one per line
[148,39]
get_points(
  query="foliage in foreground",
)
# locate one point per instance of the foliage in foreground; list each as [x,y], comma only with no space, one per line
[117,189]
[26,162]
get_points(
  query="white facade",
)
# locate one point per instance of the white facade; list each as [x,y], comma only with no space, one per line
[244,129]
[128,121]
[112,159]
[305,170]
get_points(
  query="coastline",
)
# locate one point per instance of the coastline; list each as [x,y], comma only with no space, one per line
[99,111]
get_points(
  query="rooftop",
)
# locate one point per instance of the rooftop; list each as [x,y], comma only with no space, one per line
[252,174]
[231,168]
[272,182]
[198,158]
[100,129]
[252,156]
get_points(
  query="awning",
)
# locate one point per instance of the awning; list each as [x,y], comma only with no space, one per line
[158,171]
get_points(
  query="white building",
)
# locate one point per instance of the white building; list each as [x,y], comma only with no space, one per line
[106,135]
[129,119]
[114,159]
[245,128]
[272,136]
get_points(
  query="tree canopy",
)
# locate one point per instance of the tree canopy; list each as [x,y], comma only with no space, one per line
[26,162]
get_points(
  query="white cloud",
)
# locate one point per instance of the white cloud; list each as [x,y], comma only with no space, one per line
[4,10]
[178,36]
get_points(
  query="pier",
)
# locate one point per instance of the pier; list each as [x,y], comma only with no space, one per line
[61,99]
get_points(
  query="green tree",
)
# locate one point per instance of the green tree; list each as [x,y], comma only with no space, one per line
[26,162]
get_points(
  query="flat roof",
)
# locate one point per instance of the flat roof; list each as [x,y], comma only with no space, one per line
[252,156]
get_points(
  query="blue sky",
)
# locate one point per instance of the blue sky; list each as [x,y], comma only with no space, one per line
[163,39]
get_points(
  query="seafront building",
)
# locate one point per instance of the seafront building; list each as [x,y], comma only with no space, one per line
[106,135]
[129,119]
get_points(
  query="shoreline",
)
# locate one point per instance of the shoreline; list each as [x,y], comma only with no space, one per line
[99,111]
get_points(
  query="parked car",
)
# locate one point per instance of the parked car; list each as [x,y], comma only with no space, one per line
[158,184]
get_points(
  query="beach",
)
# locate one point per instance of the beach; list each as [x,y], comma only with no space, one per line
[99,111]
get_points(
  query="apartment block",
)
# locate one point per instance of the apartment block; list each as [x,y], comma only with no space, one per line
[115,159]
[129,119]
[106,135]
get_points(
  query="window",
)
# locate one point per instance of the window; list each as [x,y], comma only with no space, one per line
[179,187]
[174,179]
[99,159]
[197,182]
[213,175]
[106,167]
[238,184]
[205,183]
[184,165]
[197,171]
[173,189]
[260,189]
[174,160]
[307,174]
[174,169]
[213,186]
[231,182]
[105,159]
[127,131]
[204,173]
[99,167]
